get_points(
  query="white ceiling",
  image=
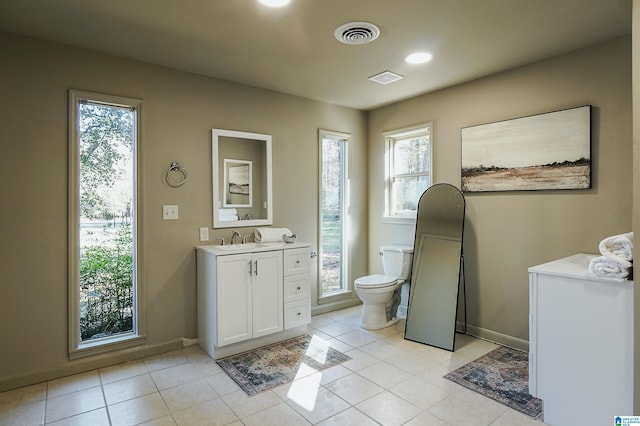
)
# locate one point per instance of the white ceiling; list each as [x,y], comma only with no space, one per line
[293,50]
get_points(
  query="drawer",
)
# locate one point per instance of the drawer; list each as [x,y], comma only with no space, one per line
[296,287]
[297,261]
[297,313]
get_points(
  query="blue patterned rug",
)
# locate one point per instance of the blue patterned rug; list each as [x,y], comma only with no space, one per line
[502,375]
[274,365]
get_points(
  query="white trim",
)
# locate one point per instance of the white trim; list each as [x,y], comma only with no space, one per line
[390,137]
[346,258]
[76,348]
[399,220]
[334,306]
[216,203]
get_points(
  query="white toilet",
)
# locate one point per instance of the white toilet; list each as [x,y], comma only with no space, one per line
[380,294]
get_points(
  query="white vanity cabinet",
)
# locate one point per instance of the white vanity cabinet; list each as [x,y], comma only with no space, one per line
[580,343]
[251,295]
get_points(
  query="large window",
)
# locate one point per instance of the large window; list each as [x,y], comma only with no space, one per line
[104,285]
[408,170]
[333,214]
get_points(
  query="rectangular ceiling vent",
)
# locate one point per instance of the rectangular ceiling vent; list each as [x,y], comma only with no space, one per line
[386,77]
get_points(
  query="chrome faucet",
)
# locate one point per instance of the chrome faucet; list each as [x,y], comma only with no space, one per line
[233,237]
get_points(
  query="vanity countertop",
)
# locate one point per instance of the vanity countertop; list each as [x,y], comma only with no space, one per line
[219,250]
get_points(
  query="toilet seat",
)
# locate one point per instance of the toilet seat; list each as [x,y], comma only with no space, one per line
[375,281]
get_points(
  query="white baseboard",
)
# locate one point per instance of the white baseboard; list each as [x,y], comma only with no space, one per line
[495,337]
[87,364]
[334,306]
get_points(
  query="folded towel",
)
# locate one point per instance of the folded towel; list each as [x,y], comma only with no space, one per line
[224,218]
[270,235]
[228,212]
[604,267]
[618,248]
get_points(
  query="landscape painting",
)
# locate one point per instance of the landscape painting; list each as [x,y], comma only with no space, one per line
[539,152]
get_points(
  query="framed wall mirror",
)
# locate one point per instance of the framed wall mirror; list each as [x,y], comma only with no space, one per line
[242,179]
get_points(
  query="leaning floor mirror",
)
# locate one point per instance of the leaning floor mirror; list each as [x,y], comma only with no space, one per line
[437,269]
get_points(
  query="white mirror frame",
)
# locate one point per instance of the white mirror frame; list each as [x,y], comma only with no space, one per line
[218,191]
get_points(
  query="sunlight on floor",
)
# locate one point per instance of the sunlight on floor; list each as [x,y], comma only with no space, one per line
[318,349]
[305,387]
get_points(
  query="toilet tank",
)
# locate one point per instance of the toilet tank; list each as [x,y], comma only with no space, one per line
[396,261]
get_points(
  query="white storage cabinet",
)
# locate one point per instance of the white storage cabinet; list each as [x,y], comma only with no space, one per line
[580,343]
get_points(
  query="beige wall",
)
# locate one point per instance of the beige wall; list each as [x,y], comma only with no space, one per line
[178,113]
[505,233]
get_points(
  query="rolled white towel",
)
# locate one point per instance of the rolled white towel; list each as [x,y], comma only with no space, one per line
[270,235]
[618,248]
[604,267]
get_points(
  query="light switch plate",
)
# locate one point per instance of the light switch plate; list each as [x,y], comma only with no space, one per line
[204,234]
[169,212]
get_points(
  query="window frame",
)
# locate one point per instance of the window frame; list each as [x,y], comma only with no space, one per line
[391,137]
[346,258]
[77,348]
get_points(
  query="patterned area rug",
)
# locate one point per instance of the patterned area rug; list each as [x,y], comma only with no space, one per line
[274,365]
[502,375]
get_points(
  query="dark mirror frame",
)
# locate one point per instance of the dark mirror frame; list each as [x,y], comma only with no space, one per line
[437,269]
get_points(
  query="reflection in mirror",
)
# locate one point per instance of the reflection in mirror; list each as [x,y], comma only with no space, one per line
[237,183]
[437,267]
[241,171]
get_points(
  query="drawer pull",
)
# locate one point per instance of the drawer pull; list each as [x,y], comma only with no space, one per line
[298,262]
[298,287]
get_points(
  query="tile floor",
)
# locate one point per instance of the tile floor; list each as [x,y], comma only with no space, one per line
[388,381]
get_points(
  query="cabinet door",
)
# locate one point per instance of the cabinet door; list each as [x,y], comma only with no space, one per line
[267,293]
[234,299]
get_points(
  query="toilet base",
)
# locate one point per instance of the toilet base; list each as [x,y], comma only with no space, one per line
[374,317]
[378,327]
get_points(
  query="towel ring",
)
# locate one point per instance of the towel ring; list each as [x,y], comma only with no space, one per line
[176,176]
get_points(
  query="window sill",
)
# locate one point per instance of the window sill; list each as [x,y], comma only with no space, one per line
[101,346]
[335,297]
[401,220]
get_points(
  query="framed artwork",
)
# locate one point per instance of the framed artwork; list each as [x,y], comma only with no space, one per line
[237,182]
[538,152]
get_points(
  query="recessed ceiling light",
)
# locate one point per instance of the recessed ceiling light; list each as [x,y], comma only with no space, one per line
[275,3]
[418,58]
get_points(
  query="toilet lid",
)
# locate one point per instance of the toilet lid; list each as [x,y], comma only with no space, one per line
[375,281]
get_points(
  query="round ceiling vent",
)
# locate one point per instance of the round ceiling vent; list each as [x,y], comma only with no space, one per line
[357,33]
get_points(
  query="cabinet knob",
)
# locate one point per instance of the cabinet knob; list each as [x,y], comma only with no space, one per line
[297,262]
[298,287]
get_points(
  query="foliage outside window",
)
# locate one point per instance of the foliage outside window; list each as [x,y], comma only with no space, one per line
[408,170]
[103,274]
